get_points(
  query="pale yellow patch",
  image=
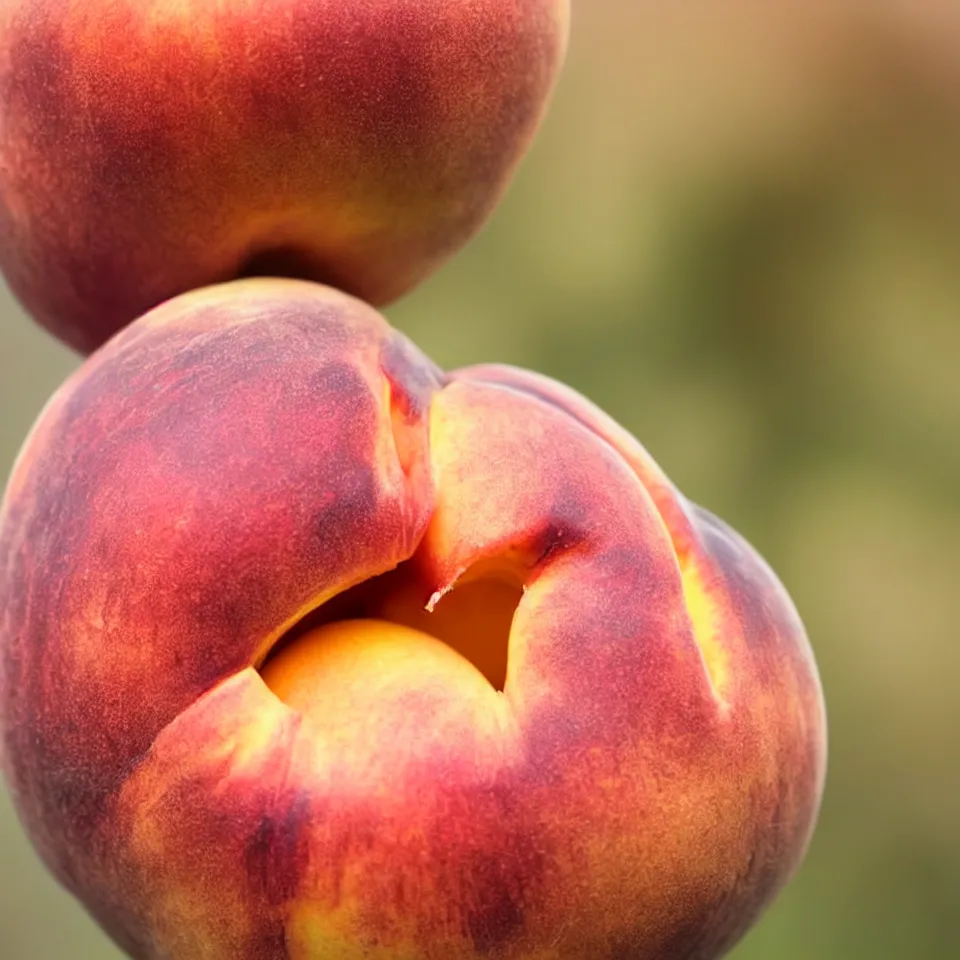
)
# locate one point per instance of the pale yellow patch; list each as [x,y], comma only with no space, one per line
[707,623]
[312,934]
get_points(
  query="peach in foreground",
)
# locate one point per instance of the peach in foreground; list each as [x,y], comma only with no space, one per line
[311,650]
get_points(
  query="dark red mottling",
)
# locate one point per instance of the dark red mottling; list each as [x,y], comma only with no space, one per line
[236,457]
[203,482]
[149,148]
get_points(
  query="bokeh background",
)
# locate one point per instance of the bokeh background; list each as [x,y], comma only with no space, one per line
[739,232]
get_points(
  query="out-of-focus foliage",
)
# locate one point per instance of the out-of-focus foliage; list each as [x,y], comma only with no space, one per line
[740,234]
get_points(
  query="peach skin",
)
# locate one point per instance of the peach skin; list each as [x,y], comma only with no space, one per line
[312,651]
[150,147]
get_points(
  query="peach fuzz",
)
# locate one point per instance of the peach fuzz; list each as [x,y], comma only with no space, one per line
[150,147]
[311,650]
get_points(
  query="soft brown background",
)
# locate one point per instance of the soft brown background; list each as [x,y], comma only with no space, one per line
[739,233]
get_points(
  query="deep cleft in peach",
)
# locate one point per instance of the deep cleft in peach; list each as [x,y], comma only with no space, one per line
[311,650]
[151,147]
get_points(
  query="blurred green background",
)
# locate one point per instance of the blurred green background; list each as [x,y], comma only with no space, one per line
[739,232]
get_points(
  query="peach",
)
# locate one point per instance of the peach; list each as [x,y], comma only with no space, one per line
[312,651]
[148,147]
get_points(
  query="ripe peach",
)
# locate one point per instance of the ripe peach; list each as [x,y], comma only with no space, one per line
[310,650]
[149,147]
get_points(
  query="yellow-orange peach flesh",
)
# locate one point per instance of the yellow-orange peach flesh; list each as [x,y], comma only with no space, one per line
[149,147]
[309,650]
[352,679]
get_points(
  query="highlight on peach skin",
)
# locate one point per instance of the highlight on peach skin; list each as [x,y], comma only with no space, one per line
[311,650]
[150,147]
